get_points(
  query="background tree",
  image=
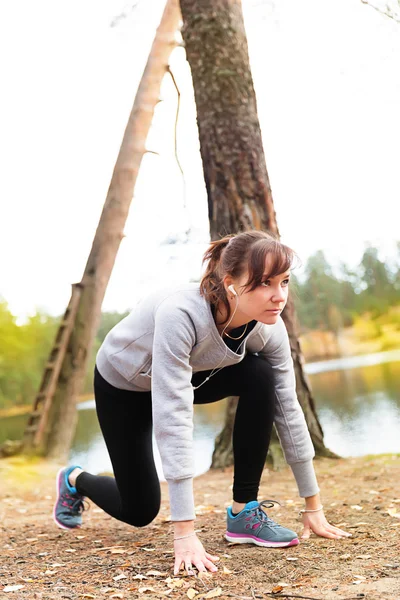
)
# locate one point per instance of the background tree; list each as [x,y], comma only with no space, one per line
[378,292]
[235,172]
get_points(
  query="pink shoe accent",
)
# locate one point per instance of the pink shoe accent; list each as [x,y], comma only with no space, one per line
[293,542]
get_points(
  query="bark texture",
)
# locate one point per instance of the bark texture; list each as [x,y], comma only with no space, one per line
[239,193]
[235,172]
[108,236]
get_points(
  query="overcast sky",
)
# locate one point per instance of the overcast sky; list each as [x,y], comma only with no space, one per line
[327,79]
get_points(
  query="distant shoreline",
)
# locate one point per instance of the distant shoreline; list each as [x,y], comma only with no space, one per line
[25,409]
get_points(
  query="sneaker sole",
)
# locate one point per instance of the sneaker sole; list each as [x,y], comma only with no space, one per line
[56,502]
[239,538]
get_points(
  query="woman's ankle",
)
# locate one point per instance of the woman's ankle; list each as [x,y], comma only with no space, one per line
[237,507]
[73,476]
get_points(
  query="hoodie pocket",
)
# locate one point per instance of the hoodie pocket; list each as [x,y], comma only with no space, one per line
[132,359]
[143,377]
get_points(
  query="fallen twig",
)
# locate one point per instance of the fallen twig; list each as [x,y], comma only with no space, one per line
[280,595]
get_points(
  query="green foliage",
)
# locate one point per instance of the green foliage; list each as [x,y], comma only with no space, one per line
[24,350]
[330,302]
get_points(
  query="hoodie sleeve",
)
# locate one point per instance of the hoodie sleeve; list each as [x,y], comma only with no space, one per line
[290,422]
[172,399]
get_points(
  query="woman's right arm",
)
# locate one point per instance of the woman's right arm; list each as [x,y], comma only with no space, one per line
[172,399]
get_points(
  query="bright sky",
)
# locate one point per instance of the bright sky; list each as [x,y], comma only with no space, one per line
[328,87]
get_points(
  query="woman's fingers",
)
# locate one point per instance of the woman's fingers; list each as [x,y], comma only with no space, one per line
[321,532]
[201,565]
[177,565]
[320,526]
[338,531]
[325,530]
[341,532]
[210,565]
[211,557]
[189,568]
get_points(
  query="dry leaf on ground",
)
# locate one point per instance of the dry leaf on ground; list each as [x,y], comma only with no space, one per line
[212,593]
[174,583]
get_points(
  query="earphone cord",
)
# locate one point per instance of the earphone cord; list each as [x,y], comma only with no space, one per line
[216,370]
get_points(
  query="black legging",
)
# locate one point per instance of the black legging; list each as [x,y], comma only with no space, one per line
[125,419]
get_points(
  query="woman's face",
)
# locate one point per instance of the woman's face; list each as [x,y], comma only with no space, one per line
[266,302]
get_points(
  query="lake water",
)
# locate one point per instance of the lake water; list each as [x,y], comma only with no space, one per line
[357,399]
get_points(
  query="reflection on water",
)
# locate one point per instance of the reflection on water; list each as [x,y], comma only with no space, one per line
[359,410]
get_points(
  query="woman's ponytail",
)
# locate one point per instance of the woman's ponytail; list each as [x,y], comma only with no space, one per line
[211,285]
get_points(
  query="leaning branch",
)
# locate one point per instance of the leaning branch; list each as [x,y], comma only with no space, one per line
[176,133]
[387,10]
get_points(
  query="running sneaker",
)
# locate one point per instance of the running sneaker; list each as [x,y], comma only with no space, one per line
[253,526]
[68,508]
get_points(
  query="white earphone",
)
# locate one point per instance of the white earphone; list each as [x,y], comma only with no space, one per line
[232,289]
[217,369]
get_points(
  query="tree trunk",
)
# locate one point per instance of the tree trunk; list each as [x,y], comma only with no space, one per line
[303,386]
[235,172]
[62,421]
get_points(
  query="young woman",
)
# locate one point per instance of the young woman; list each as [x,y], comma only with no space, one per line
[195,344]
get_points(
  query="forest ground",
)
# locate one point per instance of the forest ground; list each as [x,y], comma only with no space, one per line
[108,559]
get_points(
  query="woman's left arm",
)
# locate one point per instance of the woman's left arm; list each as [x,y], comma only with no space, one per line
[314,521]
[293,433]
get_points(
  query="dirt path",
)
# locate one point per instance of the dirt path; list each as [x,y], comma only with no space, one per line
[108,559]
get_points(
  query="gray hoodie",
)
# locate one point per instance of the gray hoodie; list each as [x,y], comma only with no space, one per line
[170,335]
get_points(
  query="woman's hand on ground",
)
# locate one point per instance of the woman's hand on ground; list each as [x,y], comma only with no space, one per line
[191,553]
[316,522]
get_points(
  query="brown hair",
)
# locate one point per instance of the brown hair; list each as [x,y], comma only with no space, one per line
[234,254]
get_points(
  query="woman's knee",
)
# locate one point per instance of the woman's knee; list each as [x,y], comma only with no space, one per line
[139,518]
[259,379]
[140,512]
